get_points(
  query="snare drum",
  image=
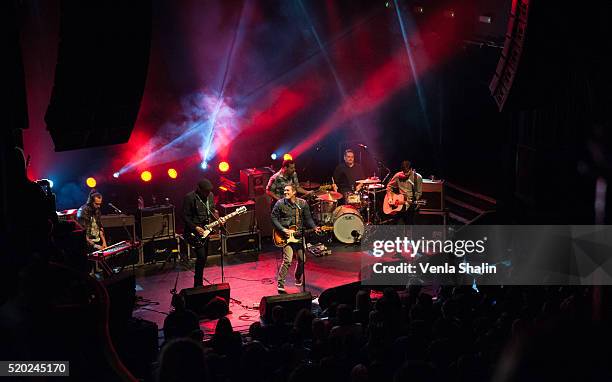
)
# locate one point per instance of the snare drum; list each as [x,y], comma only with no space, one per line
[348,224]
[353,199]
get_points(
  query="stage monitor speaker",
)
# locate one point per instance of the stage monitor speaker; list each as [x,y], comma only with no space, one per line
[121,289]
[205,301]
[291,303]
[343,294]
[433,193]
[102,65]
[157,222]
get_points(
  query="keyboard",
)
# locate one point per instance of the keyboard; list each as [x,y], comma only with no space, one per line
[112,250]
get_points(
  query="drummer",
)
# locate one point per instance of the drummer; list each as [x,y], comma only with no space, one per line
[347,173]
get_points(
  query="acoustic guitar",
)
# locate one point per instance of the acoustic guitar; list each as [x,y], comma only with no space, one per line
[281,239]
[394,203]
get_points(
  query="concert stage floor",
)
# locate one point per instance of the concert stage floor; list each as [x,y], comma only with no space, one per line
[251,276]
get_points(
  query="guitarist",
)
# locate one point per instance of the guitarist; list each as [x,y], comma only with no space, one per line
[287,212]
[198,210]
[410,184]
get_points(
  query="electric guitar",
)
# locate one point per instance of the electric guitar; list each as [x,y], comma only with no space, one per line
[394,203]
[281,239]
[198,240]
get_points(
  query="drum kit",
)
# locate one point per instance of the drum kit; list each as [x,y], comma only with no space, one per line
[348,218]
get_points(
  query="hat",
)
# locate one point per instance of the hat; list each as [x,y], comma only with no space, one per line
[205,185]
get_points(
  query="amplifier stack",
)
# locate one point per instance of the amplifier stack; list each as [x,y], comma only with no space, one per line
[156,226]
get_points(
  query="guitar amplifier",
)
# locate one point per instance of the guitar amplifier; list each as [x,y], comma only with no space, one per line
[433,193]
[114,227]
[242,223]
[156,222]
[255,180]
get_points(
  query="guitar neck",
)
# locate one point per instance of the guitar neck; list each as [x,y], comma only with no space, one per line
[217,222]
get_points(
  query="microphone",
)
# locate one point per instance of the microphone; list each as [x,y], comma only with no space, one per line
[114,208]
[362,146]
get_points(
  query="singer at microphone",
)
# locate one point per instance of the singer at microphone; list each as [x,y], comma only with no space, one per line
[291,215]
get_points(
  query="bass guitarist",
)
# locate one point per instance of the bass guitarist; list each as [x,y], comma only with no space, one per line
[198,210]
[292,211]
[408,183]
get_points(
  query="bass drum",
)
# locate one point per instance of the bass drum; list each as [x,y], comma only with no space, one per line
[348,224]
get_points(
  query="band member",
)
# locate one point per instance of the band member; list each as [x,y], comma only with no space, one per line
[410,184]
[198,210]
[89,217]
[347,173]
[287,212]
[286,175]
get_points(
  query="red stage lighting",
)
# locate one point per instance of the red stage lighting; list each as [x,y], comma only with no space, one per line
[91,182]
[224,166]
[146,176]
[172,173]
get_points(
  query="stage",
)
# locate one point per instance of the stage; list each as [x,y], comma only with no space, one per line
[251,276]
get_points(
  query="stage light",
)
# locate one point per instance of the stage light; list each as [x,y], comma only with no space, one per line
[91,182]
[273,156]
[172,173]
[223,188]
[449,14]
[116,175]
[204,165]
[50,183]
[224,166]
[287,157]
[146,176]
[418,9]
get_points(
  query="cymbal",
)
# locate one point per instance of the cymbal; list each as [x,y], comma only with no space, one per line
[329,196]
[376,186]
[309,185]
[371,180]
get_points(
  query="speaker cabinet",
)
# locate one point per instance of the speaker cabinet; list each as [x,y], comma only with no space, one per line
[254,181]
[291,303]
[160,250]
[102,64]
[263,208]
[433,218]
[121,290]
[242,243]
[198,299]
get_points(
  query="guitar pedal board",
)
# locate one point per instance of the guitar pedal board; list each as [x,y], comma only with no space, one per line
[318,249]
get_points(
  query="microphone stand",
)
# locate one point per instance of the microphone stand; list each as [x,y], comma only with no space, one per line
[222,229]
[130,236]
[303,233]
